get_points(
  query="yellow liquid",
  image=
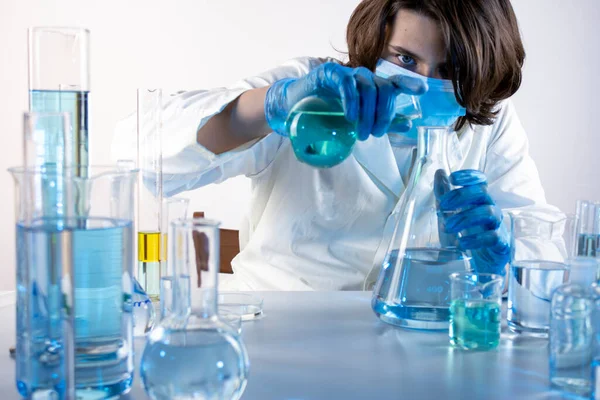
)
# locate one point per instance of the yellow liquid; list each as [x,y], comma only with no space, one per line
[149,249]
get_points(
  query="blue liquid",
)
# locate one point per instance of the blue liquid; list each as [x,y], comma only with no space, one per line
[322,139]
[475,324]
[196,364]
[76,104]
[100,252]
[320,134]
[420,298]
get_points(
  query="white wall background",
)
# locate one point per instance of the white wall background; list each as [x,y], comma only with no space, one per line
[184,44]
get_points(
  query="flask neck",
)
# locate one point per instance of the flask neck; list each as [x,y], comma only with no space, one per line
[433,144]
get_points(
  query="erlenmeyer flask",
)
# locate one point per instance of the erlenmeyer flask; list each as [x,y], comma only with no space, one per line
[191,353]
[412,289]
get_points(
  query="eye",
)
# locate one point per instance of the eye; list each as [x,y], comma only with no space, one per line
[406,60]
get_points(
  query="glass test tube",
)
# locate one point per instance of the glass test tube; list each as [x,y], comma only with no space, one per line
[588,232]
[59,81]
[174,208]
[150,193]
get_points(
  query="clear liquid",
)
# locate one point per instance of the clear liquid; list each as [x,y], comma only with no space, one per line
[196,364]
[421,297]
[144,315]
[149,263]
[530,293]
[475,324]
[587,245]
[98,250]
[76,104]
[149,277]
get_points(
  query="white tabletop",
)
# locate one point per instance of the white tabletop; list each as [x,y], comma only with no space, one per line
[330,345]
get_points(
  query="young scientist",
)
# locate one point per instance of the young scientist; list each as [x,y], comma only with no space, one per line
[319,229]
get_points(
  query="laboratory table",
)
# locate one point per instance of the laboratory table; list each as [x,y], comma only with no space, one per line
[330,345]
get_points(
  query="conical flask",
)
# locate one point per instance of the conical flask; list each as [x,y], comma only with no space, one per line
[413,284]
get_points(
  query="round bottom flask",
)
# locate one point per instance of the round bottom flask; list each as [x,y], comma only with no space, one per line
[191,353]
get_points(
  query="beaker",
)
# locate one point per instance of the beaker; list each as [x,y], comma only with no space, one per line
[191,353]
[91,233]
[150,189]
[542,242]
[321,135]
[59,81]
[475,310]
[413,286]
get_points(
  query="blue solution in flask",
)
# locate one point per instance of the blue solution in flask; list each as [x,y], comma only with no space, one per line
[98,251]
[422,298]
[321,135]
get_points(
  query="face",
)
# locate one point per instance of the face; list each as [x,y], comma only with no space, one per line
[416,43]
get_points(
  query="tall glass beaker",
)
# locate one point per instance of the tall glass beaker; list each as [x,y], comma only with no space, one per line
[192,354]
[59,81]
[91,231]
[413,287]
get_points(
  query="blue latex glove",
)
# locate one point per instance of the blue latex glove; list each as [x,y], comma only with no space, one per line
[470,211]
[368,100]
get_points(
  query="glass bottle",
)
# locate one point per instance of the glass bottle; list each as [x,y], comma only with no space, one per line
[412,288]
[572,338]
[320,134]
[191,353]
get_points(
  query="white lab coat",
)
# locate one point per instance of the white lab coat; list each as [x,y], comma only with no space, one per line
[319,229]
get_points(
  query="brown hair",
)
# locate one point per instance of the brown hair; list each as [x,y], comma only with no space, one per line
[484,47]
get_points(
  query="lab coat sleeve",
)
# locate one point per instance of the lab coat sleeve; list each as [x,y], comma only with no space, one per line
[188,165]
[513,179]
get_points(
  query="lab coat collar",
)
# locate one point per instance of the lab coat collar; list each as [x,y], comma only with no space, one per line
[376,157]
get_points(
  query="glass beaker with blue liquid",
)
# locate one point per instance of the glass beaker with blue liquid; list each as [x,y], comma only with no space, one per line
[321,135]
[192,353]
[90,232]
[413,285]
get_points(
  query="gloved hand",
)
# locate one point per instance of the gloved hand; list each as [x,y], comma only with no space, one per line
[368,100]
[470,211]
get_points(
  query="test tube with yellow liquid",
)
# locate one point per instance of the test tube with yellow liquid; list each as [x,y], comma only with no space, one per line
[150,196]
